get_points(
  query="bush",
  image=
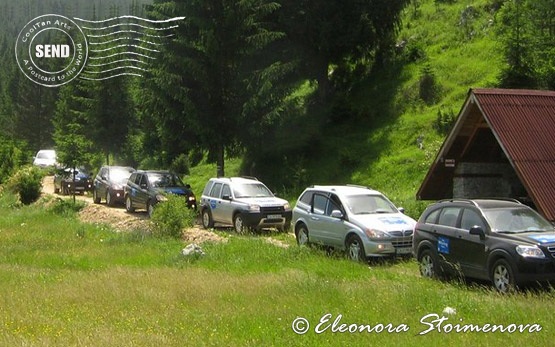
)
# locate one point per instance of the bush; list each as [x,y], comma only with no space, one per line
[9,200]
[172,216]
[66,207]
[27,182]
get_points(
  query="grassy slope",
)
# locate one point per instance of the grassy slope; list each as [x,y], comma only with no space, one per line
[379,149]
[459,62]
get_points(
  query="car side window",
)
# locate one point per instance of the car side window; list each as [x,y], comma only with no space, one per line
[143,183]
[307,198]
[216,190]
[226,190]
[319,204]
[449,216]
[333,204]
[432,217]
[471,218]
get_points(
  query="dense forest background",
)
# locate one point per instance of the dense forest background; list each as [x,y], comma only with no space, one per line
[318,90]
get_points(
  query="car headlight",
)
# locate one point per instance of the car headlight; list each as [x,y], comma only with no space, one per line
[530,252]
[286,206]
[161,197]
[375,234]
[254,208]
[191,198]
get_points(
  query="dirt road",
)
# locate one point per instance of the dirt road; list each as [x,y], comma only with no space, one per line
[118,218]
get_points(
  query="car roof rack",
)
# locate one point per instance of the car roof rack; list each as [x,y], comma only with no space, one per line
[473,202]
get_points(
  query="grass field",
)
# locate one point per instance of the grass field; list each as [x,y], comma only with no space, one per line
[65,283]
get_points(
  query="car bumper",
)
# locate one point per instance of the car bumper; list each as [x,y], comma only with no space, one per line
[389,248]
[260,220]
[535,271]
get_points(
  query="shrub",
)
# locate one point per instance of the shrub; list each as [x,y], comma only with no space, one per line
[27,182]
[9,200]
[172,216]
[66,207]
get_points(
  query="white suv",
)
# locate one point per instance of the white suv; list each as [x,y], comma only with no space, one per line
[243,203]
[357,219]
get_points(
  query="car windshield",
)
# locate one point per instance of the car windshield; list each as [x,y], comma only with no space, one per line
[368,204]
[252,190]
[516,220]
[120,175]
[46,155]
[162,180]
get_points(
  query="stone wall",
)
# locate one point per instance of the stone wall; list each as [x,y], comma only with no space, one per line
[473,180]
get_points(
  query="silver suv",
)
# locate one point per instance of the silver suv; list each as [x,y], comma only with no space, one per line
[243,203]
[357,219]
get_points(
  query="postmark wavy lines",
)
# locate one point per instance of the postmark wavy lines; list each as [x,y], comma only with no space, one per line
[124,45]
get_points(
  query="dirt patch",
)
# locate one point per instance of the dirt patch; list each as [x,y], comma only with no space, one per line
[120,220]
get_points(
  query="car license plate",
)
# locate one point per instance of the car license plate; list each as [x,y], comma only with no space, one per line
[274,216]
[404,250]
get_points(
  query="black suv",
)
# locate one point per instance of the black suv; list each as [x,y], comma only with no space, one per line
[147,188]
[499,240]
[109,182]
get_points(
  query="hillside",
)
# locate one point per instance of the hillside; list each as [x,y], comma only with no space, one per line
[452,47]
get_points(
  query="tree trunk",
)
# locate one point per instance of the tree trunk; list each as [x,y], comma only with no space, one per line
[220,162]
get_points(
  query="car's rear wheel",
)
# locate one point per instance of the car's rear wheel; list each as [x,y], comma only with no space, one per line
[96,198]
[302,235]
[355,248]
[238,224]
[428,264]
[207,221]
[129,204]
[502,276]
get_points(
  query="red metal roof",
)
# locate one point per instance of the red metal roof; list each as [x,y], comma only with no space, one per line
[523,122]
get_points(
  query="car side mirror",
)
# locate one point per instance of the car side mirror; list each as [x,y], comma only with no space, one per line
[401,209]
[477,230]
[103,178]
[226,197]
[336,214]
[144,186]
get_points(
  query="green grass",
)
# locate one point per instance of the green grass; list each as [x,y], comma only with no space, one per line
[68,284]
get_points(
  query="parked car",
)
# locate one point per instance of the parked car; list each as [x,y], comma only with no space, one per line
[243,202]
[145,189]
[359,220]
[65,183]
[45,158]
[109,182]
[499,240]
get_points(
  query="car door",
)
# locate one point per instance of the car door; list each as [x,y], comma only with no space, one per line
[225,205]
[314,219]
[141,196]
[446,232]
[329,230]
[102,182]
[470,250]
[215,202]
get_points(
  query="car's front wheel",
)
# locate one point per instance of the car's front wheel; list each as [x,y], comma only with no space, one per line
[96,198]
[109,198]
[129,204]
[302,235]
[502,276]
[355,248]
[149,209]
[207,221]
[238,224]
[428,264]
